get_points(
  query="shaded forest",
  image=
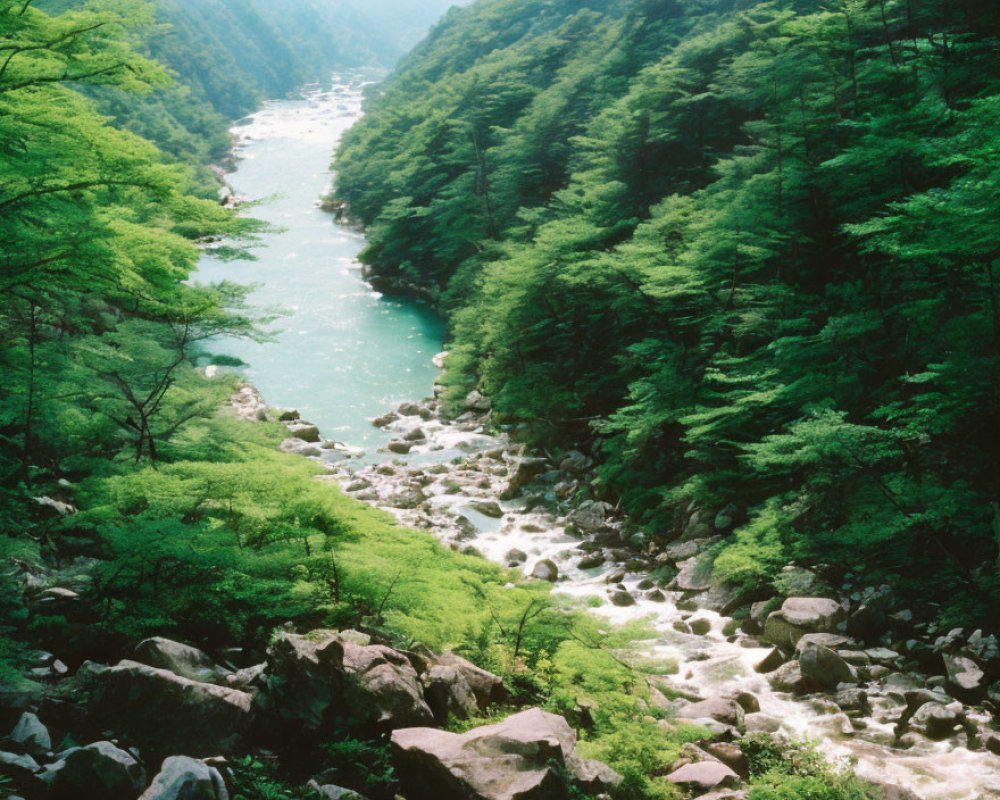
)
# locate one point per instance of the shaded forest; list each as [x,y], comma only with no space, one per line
[744,252]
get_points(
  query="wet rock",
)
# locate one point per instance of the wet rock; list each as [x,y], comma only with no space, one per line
[700,626]
[31,736]
[622,598]
[830,640]
[721,709]
[545,570]
[937,721]
[183,778]
[284,414]
[853,699]
[748,702]
[691,577]
[731,755]
[525,756]
[788,678]
[590,517]
[966,679]
[97,770]
[400,448]
[300,447]
[305,431]
[515,557]
[488,508]
[416,435]
[181,659]
[824,669]
[406,498]
[799,616]
[135,699]
[385,420]
[770,662]
[592,561]
[656,596]
[704,775]
[523,470]
[761,723]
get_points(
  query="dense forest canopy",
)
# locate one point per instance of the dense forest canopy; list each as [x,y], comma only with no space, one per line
[745,251]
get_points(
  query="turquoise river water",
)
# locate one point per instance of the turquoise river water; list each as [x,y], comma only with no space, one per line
[342,353]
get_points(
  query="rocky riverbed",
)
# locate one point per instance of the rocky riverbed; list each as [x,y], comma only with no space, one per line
[910,706]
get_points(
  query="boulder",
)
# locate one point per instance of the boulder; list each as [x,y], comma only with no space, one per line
[703,775]
[525,757]
[300,447]
[476,401]
[314,679]
[488,508]
[799,616]
[181,659]
[966,679]
[822,668]
[448,694]
[487,688]
[576,462]
[788,678]
[622,598]
[303,679]
[730,754]
[183,778]
[137,700]
[590,517]
[721,709]
[937,721]
[770,662]
[545,570]
[21,770]
[382,687]
[522,471]
[515,557]
[97,770]
[691,577]
[31,736]
[329,791]
[305,431]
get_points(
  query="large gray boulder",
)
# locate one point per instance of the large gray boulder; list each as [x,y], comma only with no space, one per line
[525,757]
[799,616]
[383,687]
[966,678]
[181,659]
[703,775]
[183,778]
[448,694]
[31,736]
[165,713]
[487,687]
[97,770]
[823,669]
[721,709]
[315,679]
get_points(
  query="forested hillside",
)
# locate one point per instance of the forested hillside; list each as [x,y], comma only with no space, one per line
[744,251]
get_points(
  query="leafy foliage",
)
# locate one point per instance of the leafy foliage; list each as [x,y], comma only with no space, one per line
[744,251]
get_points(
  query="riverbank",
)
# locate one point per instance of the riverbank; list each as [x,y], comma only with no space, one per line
[802,657]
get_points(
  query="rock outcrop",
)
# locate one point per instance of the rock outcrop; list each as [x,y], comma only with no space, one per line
[799,616]
[165,713]
[183,778]
[181,659]
[525,757]
[97,770]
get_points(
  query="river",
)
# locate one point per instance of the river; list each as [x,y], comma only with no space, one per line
[340,351]
[343,355]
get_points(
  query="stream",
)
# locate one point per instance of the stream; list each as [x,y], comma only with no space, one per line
[343,355]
